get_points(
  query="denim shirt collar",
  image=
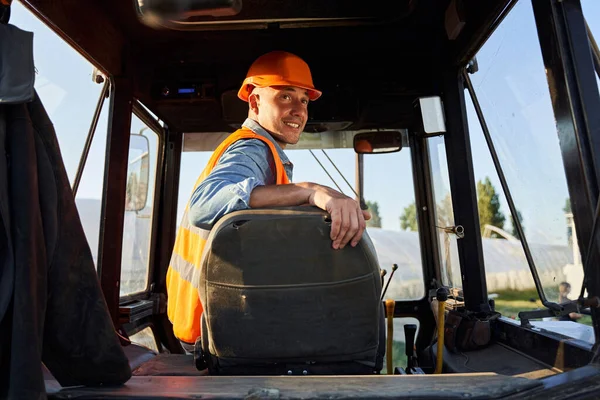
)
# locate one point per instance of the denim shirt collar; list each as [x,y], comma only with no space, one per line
[256,128]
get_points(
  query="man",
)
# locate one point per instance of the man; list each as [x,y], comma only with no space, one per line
[564,289]
[250,170]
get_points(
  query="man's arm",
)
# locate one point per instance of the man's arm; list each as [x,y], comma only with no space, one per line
[243,166]
[347,219]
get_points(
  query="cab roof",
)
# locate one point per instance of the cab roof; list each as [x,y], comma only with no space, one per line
[371,59]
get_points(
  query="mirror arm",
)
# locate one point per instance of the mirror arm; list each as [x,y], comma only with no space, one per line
[360,169]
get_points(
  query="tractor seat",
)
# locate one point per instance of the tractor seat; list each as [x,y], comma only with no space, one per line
[278,299]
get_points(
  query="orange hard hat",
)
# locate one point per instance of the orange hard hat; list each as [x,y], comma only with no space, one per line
[278,68]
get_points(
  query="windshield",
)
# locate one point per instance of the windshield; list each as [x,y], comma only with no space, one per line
[389,192]
[393,228]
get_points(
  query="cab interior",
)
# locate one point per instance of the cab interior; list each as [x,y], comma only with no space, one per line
[373,61]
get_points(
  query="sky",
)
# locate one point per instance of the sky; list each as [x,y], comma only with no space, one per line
[510,84]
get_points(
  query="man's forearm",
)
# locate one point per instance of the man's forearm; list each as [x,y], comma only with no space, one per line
[280,195]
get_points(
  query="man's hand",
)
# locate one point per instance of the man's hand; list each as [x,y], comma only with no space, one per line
[347,219]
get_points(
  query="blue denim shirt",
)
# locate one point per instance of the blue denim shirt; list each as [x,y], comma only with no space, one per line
[246,164]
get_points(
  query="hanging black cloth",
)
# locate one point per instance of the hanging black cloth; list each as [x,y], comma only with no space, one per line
[51,306]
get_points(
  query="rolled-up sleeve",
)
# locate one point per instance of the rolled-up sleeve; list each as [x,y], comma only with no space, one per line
[245,165]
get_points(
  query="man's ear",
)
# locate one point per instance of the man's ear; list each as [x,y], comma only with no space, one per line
[253,101]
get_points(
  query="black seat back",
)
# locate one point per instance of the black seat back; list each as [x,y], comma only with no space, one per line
[278,299]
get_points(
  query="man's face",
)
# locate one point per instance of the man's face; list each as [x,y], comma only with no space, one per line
[282,111]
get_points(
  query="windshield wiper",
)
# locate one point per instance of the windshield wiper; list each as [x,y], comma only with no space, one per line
[327,172]
[363,205]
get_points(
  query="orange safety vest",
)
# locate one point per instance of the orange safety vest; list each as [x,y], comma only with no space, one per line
[183,307]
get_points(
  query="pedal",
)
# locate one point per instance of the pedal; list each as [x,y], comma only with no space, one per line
[414,371]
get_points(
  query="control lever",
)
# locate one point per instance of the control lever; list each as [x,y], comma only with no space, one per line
[410,331]
[390,306]
[442,297]
[412,366]
[382,273]
[394,268]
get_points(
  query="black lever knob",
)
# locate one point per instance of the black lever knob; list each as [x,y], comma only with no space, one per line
[442,294]
[410,330]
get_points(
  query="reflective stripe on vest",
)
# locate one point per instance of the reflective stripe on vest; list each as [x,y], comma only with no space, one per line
[183,307]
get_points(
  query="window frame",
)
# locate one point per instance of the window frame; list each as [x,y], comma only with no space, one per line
[154,125]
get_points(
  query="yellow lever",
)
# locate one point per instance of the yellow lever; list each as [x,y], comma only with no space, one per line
[441,296]
[389,311]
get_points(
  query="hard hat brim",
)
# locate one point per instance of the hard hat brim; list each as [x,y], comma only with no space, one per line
[245,90]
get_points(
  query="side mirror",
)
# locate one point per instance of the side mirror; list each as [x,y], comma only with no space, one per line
[378,142]
[175,14]
[138,173]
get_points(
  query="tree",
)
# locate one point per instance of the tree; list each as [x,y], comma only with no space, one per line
[515,233]
[567,208]
[489,205]
[444,212]
[375,221]
[408,219]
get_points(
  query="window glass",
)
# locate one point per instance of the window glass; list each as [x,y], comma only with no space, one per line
[395,241]
[64,84]
[508,276]
[139,206]
[90,191]
[512,89]
[442,195]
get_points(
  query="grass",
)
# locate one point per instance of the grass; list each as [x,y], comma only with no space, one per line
[510,302]
[399,358]
[512,295]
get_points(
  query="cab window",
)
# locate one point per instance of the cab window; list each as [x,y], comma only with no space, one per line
[444,214]
[65,84]
[511,87]
[139,206]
